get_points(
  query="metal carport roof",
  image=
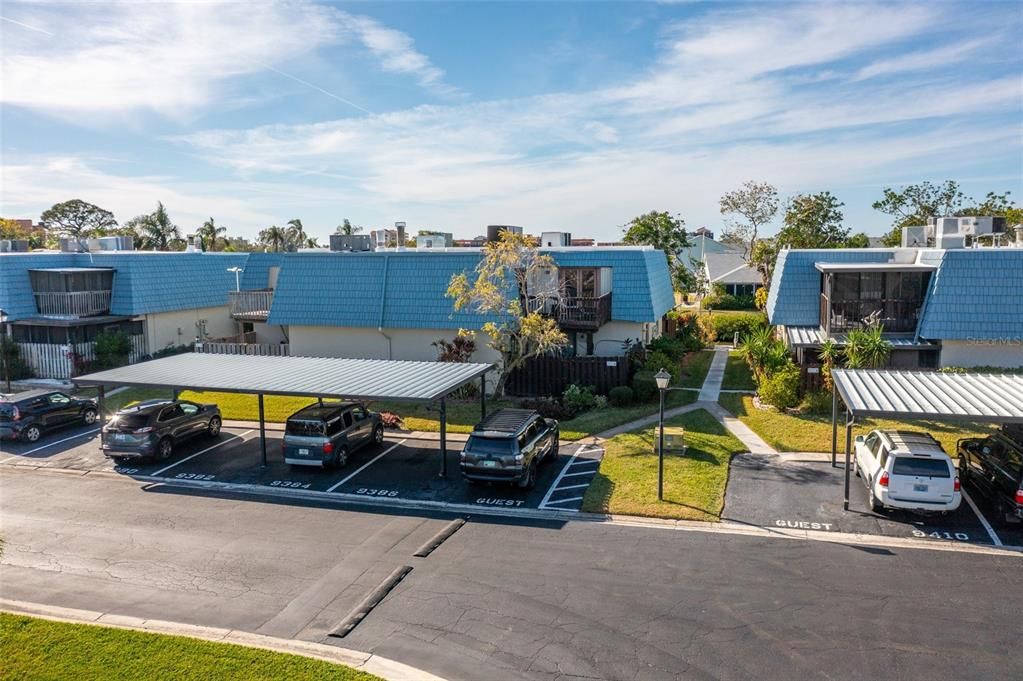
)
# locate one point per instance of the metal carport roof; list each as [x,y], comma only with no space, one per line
[936,396]
[992,398]
[358,379]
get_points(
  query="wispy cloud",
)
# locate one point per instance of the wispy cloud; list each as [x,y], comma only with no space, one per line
[923,60]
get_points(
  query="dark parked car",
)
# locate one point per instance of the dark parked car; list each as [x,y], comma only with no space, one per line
[508,446]
[151,429]
[994,467]
[27,415]
[325,435]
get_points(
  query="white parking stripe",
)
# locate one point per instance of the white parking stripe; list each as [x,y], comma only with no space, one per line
[365,466]
[572,487]
[187,458]
[983,520]
[584,461]
[55,442]
[565,501]
[569,475]
[561,475]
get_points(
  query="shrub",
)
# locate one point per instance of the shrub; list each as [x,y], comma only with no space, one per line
[725,326]
[644,387]
[655,361]
[763,353]
[549,409]
[391,420]
[621,396]
[577,399]
[689,332]
[718,299]
[599,402]
[760,298]
[173,350]
[674,348]
[817,402]
[112,348]
[780,389]
[706,329]
[13,363]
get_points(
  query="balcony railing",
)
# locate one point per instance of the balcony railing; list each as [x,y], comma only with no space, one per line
[586,314]
[73,304]
[250,305]
[894,316]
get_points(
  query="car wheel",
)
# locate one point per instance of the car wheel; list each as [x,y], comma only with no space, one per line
[875,505]
[529,481]
[342,457]
[32,434]
[164,449]
[378,435]
[213,429]
[89,417]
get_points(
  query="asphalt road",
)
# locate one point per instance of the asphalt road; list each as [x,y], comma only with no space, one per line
[508,600]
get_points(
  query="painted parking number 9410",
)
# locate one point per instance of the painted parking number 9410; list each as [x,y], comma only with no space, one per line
[958,536]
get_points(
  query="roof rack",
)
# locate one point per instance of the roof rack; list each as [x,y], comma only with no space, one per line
[507,421]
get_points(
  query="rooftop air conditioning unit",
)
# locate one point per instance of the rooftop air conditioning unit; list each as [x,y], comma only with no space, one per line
[914,236]
[352,243]
[555,239]
[72,245]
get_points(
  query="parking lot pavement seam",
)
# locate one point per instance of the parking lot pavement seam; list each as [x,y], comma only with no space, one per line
[392,670]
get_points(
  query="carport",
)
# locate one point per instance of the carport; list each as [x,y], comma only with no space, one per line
[990,398]
[363,380]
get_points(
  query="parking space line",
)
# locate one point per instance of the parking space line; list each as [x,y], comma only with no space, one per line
[983,521]
[365,466]
[569,475]
[573,487]
[580,463]
[50,444]
[564,501]
[561,475]
[187,458]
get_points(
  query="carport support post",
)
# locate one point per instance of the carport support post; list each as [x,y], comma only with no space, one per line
[262,430]
[849,420]
[443,438]
[101,405]
[834,423]
[483,397]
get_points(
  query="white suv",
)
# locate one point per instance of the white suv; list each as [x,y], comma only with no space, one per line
[907,470]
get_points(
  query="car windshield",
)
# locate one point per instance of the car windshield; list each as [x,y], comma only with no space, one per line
[495,446]
[913,465]
[131,421]
[305,428]
[6,410]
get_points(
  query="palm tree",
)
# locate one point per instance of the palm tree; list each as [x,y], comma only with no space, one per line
[763,352]
[296,233]
[158,230]
[346,227]
[829,355]
[867,348]
[209,234]
[274,238]
[312,242]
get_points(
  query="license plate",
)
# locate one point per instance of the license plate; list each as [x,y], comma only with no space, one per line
[919,488]
[303,452]
[490,464]
[120,437]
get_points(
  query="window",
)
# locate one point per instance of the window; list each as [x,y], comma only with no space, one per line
[872,443]
[334,426]
[919,466]
[304,428]
[359,413]
[170,413]
[348,419]
[59,398]
[189,409]
[883,460]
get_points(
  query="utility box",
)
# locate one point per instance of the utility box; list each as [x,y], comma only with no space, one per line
[674,440]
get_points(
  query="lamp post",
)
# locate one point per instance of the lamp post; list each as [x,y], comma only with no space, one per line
[662,378]
[237,279]
[4,348]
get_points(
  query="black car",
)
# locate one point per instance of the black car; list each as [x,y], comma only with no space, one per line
[508,446]
[151,429]
[994,467]
[26,415]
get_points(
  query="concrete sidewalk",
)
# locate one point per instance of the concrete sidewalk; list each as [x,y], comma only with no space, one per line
[367,662]
[711,389]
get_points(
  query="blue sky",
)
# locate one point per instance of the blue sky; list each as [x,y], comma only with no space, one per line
[452,116]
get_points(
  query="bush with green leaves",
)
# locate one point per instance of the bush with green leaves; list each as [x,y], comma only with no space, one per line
[817,403]
[112,348]
[760,298]
[657,360]
[600,402]
[672,347]
[689,330]
[763,353]
[13,366]
[644,387]
[867,348]
[726,326]
[780,388]
[621,396]
[577,398]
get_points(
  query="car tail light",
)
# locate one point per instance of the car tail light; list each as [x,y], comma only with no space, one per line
[955,485]
[140,431]
[1019,497]
[884,479]
[328,447]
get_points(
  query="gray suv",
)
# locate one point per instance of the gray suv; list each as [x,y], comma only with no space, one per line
[508,446]
[325,435]
[151,429]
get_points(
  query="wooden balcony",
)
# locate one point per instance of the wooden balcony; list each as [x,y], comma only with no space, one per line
[577,313]
[250,306]
[73,304]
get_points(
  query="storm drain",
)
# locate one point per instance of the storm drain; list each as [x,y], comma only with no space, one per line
[371,601]
[439,538]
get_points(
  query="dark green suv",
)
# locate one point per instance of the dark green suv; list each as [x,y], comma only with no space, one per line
[994,467]
[508,446]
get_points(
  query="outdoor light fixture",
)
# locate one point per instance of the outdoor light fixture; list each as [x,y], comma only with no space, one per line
[237,279]
[662,378]
[3,330]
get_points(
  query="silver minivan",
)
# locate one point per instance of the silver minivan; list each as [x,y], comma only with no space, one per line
[325,435]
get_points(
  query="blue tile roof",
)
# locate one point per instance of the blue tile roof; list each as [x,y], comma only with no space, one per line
[346,289]
[794,297]
[257,269]
[976,294]
[16,289]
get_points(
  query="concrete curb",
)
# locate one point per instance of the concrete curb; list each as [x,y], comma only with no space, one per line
[367,662]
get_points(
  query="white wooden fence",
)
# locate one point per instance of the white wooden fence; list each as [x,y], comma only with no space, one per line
[228,348]
[55,360]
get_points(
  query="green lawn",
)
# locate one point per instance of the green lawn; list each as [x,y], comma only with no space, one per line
[32,648]
[599,420]
[695,366]
[694,484]
[788,433]
[737,374]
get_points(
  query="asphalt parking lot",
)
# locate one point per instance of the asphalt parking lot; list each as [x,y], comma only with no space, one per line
[402,468]
[808,495]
